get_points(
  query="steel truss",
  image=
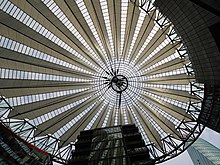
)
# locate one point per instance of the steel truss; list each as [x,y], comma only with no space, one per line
[189,131]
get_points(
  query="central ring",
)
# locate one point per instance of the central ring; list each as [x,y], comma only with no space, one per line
[119,83]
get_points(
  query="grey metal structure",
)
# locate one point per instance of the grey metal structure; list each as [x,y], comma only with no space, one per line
[202,152]
[68,66]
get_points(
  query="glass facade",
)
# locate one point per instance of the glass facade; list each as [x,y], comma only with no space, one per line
[202,152]
[112,145]
[210,112]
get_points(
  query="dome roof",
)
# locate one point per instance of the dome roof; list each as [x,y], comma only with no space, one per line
[68,66]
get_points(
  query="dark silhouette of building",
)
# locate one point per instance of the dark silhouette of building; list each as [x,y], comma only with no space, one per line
[117,145]
[210,112]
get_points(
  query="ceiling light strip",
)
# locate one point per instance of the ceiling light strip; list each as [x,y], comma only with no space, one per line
[41,119]
[54,8]
[155,108]
[107,117]
[26,50]
[138,124]
[147,41]
[155,51]
[105,13]
[124,8]
[91,123]
[26,75]
[136,32]
[23,18]
[81,5]
[21,100]
[71,123]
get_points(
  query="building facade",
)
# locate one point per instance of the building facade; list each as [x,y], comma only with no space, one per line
[204,153]
[111,145]
[210,112]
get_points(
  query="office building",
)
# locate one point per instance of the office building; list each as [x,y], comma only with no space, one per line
[202,152]
[210,112]
[111,145]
